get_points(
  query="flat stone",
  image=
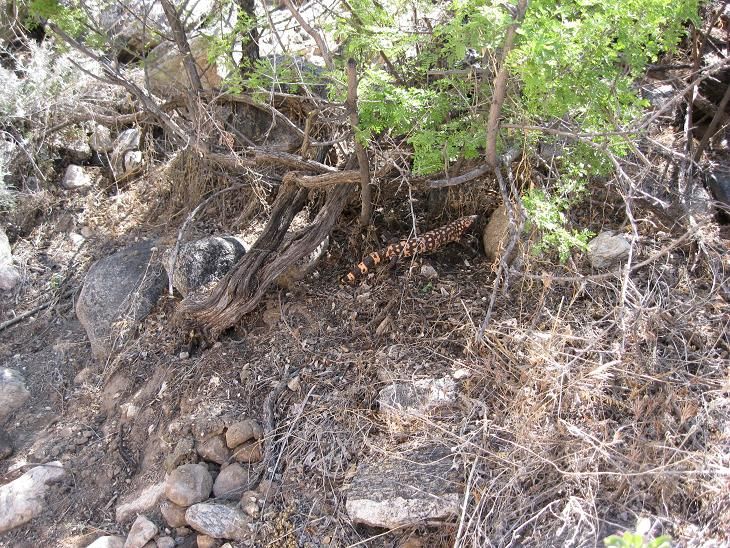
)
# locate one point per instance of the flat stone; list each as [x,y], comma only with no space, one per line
[403,402]
[188,484]
[218,521]
[142,531]
[24,498]
[145,501]
[393,491]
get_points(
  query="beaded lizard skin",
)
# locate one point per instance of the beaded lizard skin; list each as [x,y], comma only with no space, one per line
[430,241]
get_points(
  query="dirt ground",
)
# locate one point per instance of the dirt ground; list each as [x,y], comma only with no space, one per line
[587,405]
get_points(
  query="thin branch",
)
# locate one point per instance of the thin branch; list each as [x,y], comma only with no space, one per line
[362,157]
[324,50]
[181,40]
[500,87]
[20,317]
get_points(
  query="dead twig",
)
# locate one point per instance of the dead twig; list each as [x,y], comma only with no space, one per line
[362,156]
[20,317]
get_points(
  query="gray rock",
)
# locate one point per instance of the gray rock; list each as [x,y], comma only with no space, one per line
[13,392]
[401,491]
[101,139]
[188,484]
[608,249]
[137,503]
[6,253]
[429,272]
[118,293]
[174,515]
[23,499]
[242,431]
[231,482]
[142,531]
[203,261]
[165,542]
[76,177]
[108,541]
[204,541]
[658,94]
[218,521]
[132,161]
[214,449]
[126,141]
[718,183]
[401,402]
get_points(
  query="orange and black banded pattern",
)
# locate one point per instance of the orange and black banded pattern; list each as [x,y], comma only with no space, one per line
[430,241]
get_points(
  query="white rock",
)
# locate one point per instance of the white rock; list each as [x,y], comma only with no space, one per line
[6,253]
[218,521]
[9,277]
[429,272]
[132,160]
[23,499]
[76,177]
[142,502]
[142,531]
[165,542]
[108,541]
[607,249]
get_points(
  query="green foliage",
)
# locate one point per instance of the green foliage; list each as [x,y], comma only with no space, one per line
[638,539]
[69,17]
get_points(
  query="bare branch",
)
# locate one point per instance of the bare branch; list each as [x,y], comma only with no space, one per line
[362,156]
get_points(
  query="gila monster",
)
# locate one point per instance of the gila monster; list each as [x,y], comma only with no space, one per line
[430,241]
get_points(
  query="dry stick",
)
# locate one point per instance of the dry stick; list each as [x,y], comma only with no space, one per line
[362,157]
[178,33]
[27,313]
[506,159]
[311,32]
[716,120]
[500,87]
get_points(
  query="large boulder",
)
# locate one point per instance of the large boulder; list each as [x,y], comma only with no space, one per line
[24,498]
[165,70]
[203,261]
[406,490]
[118,293]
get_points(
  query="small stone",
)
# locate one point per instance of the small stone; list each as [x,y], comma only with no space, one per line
[294,384]
[206,427]
[83,376]
[218,521]
[173,514]
[214,449]
[101,139]
[184,355]
[230,481]
[76,177]
[132,160]
[248,453]
[243,431]
[188,484]
[108,541]
[608,249]
[252,509]
[403,402]
[429,272]
[204,541]
[165,542]
[142,531]
[9,277]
